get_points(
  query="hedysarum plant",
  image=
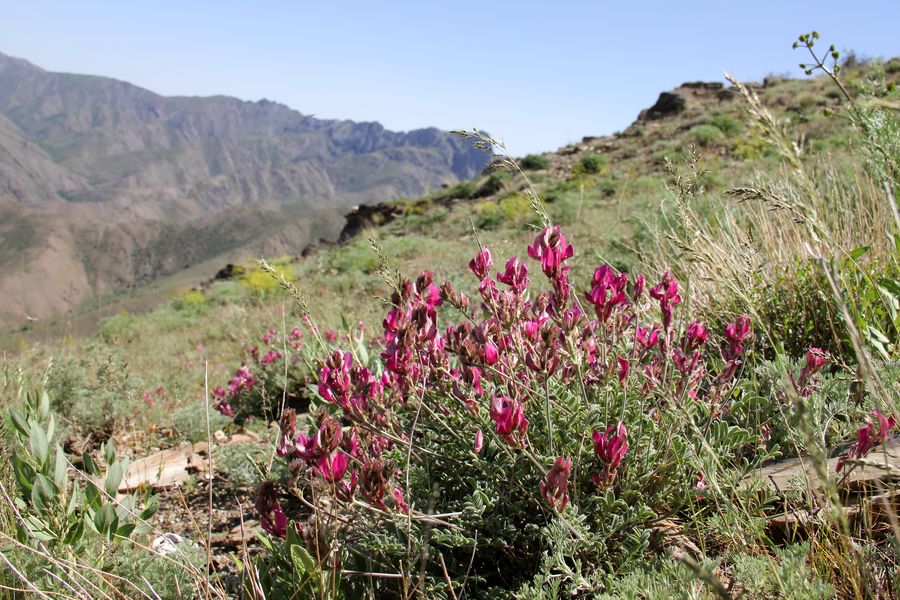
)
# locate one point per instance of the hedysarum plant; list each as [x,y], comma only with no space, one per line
[481,424]
[274,371]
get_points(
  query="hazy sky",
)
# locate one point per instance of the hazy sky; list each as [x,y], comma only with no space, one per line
[535,74]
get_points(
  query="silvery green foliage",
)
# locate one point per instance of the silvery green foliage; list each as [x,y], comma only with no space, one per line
[58,510]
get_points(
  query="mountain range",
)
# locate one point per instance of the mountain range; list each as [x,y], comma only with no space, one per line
[105,185]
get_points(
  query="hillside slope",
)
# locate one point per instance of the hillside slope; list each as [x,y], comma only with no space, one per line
[104,185]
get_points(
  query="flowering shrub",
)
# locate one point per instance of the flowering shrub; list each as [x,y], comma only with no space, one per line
[485,425]
[274,369]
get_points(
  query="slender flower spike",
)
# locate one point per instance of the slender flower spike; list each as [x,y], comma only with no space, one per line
[867,437]
[399,502]
[610,447]
[271,517]
[515,275]
[667,294]
[510,419]
[555,487]
[332,466]
[607,292]
[624,368]
[696,336]
[551,249]
[639,284]
[701,482]
[816,358]
[491,353]
[479,442]
[737,333]
[288,426]
[482,264]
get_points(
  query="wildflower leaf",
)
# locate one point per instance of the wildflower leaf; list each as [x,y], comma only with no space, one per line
[304,566]
[19,421]
[109,452]
[90,466]
[39,529]
[92,496]
[151,505]
[42,493]
[61,468]
[75,532]
[105,520]
[891,285]
[40,447]
[44,406]
[24,474]
[113,479]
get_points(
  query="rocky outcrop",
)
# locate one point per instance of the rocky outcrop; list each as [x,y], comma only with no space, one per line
[677,101]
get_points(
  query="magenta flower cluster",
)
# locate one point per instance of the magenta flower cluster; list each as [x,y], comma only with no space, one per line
[490,367]
[265,366]
[867,437]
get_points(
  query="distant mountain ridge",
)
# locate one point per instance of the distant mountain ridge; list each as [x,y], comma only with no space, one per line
[104,184]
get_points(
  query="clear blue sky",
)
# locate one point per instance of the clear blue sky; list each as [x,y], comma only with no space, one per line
[535,74]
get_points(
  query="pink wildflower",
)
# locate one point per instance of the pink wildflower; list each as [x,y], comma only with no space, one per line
[610,447]
[332,466]
[607,292]
[479,441]
[399,503]
[624,368]
[701,482]
[515,275]
[867,437]
[695,336]
[482,264]
[510,420]
[667,294]
[271,517]
[555,487]
[271,356]
[815,360]
[551,249]
[639,284]
[737,333]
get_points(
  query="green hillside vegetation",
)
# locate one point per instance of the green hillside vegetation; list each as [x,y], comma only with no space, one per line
[732,298]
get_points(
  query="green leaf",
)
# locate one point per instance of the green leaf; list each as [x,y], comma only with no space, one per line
[265,541]
[73,502]
[105,520]
[40,447]
[19,422]
[51,427]
[39,529]
[113,479]
[89,464]
[858,253]
[92,496]
[75,532]
[24,474]
[892,285]
[125,530]
[44,406]
[109,452]
[42,493]
[304,565]
[151,505]
[61,469]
